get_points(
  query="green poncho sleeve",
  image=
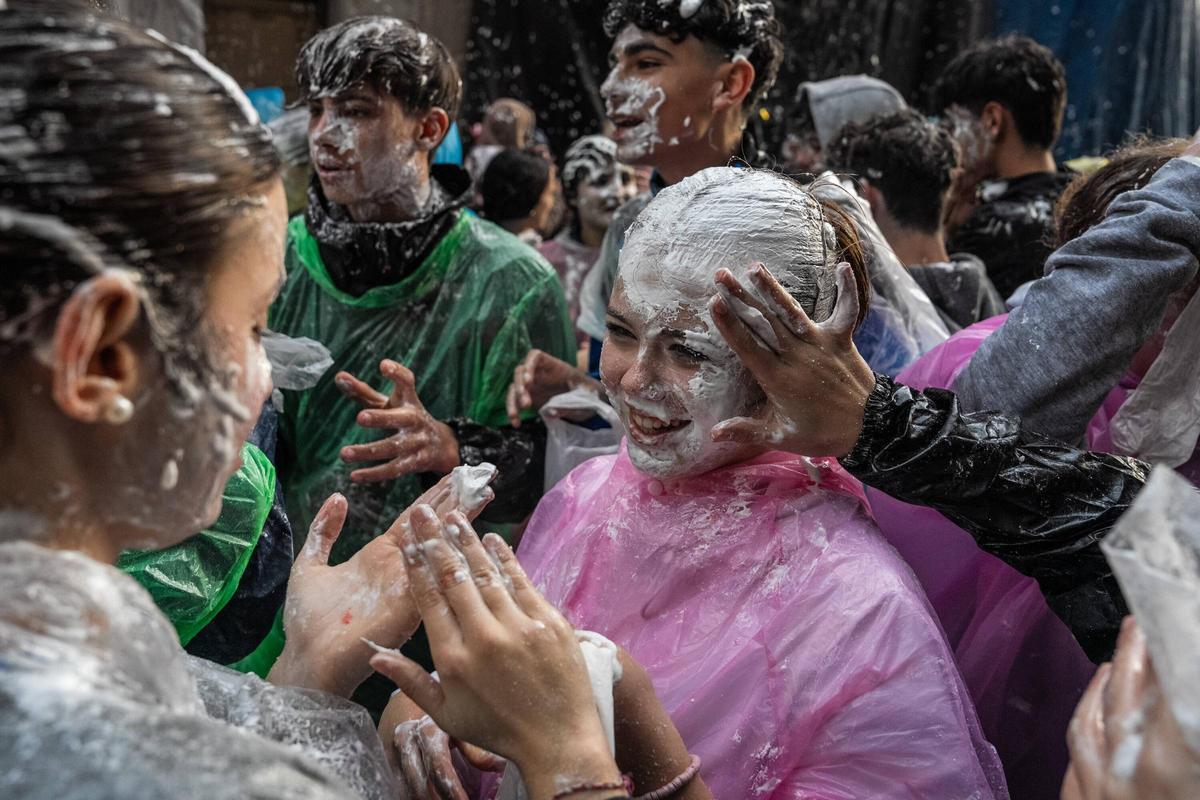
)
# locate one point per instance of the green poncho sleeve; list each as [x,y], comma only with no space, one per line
[193,580]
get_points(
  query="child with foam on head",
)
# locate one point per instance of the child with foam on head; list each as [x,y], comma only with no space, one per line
[595,184]
[792,647]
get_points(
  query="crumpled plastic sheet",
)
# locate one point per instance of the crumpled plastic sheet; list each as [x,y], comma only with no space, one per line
[1160,422]
[791,646]
[297,363]
[1154,551]
[567,444]
[915,314]
[329,730]
[97,699]
[193,580]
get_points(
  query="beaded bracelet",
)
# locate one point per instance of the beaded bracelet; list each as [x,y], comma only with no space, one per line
[684,778]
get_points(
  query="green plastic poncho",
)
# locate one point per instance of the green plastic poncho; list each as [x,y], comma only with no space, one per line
[193,580]
[461,321]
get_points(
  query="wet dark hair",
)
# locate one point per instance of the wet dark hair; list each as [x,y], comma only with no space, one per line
[1086,199]
[512,185]
[907,158]
[1016,72]
[391,55]
[748,27]
[117,150]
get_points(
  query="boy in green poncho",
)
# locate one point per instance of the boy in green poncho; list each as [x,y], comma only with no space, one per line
[426,309]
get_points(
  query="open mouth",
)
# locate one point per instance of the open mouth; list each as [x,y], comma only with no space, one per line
[647,430]
[625,124]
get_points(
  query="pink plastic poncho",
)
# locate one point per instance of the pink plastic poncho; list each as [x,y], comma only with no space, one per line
[1024,669]
[790,644]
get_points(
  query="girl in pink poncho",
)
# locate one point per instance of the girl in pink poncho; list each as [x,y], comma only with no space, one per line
[791,645]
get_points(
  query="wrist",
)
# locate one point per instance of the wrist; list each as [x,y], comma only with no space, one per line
[873,415]
[340,677]
[550,766]
[449,456]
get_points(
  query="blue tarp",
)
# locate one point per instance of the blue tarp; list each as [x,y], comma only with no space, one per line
[1132,65]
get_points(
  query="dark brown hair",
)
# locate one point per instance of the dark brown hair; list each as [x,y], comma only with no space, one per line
[735,27]
[851,251]
[117,149]
[1087,198]
[392,55]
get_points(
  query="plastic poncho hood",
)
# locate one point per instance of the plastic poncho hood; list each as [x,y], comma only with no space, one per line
[792,648]
[461,321]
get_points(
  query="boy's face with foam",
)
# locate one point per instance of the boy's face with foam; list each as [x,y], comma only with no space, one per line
[659,94]
[363,145]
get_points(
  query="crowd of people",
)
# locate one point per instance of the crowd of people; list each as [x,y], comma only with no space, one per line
[337,465]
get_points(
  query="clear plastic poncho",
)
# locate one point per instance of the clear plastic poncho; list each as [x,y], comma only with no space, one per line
[98,700]
[902,322]
[793,649]
[462,322]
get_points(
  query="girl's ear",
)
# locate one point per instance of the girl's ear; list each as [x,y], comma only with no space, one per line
[95,368]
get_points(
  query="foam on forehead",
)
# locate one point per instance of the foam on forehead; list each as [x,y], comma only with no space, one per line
[730,217]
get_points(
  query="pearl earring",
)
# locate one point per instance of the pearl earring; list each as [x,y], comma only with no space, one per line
[117,410]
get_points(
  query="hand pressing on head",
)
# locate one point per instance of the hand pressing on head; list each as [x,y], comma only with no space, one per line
[815,381]
[413,441]
[1125,742]
[512,676]
[538,378]
[330,610]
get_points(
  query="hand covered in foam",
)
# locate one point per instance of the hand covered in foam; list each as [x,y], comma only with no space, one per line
[1125,742]
[815,380]
[334,613]
[512,674]
[418,442]
[539,377]
[422,753]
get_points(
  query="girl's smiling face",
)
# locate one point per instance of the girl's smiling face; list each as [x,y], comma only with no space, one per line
[672,378]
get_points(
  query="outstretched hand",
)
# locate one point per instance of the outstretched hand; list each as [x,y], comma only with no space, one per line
[330,610]
[815,381]
[415,442]
[512,675]
[539,377]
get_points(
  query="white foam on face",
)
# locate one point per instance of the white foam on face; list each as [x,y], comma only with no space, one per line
[720,217]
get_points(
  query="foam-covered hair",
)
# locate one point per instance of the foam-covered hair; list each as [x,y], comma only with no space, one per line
[586,159]
[746,28]
[730,217]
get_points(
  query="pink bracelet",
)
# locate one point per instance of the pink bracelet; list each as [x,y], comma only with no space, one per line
[684,778]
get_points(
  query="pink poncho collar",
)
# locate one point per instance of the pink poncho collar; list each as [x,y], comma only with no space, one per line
[792,647]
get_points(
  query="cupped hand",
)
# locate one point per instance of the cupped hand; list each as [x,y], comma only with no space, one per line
[512,675]
[331,610]
[413,442]
[1124,740]
[538,378]
[815,381]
